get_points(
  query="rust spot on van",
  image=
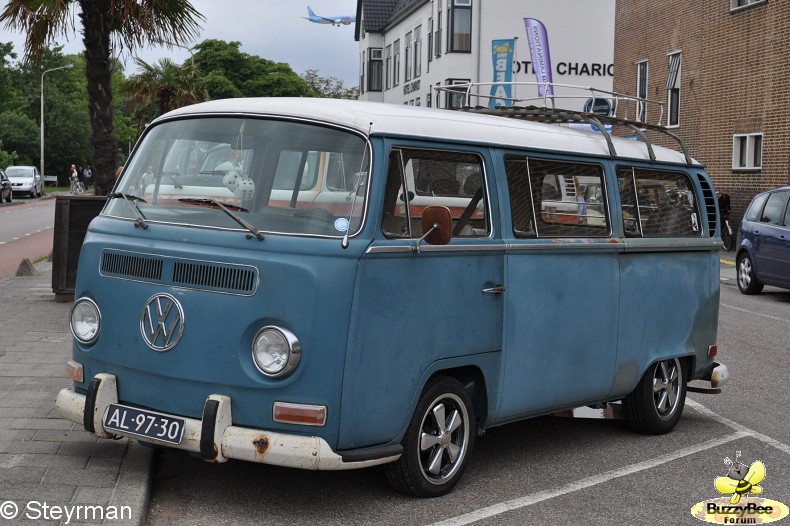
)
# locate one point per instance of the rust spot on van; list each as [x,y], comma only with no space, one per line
[261,444]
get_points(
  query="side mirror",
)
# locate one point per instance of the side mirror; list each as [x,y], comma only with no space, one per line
[437,224]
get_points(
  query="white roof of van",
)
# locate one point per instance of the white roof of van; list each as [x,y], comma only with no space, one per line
[416,121]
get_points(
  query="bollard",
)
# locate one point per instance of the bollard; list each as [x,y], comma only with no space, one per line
[26,268]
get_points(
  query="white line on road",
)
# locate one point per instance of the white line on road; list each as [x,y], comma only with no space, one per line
[541,496]
[528,500]
[747,311]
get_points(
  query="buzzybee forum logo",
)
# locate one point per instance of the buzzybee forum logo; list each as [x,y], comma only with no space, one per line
[739,506]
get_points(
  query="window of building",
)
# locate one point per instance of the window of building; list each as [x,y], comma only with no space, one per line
[417,51]
[388,67]
[641,90]
[657,203]
[375,69]
[747,151]
[556,199]
[739,4]
[430,42]
[456,97]
[432,177]
[673,89]
[362,73]
[407,49]
[437,37]
[396,63]
[460,22]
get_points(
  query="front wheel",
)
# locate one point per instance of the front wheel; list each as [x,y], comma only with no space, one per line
[747,279]
[437,443]
[656,404]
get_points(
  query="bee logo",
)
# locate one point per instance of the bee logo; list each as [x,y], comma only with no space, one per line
[740,480]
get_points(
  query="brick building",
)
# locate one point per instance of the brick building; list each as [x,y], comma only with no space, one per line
[721,69]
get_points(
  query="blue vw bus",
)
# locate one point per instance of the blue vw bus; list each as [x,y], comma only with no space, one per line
[330,284]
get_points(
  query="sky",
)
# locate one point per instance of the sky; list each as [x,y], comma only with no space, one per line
[271,29]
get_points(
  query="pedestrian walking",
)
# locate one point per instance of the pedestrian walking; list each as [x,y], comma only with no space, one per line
[86,175]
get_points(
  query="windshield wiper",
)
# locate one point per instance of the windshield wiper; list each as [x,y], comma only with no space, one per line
[131,202]
[227,209]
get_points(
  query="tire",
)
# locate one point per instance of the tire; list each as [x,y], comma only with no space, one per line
[437,443]
[726,238]
[747,279]
[656,404]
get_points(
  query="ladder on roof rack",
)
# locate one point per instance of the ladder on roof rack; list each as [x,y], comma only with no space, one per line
[555,115]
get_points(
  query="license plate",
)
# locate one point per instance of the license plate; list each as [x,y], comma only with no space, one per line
[133,421]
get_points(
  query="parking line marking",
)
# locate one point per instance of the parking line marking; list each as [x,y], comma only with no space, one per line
[747,311]
[528,500]
[738,427]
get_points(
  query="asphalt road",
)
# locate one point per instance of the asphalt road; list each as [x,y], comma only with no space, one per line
[26,231]
[549,470]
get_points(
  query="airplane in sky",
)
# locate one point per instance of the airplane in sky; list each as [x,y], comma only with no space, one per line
[334,20]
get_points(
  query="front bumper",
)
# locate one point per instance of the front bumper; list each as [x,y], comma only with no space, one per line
[216,439]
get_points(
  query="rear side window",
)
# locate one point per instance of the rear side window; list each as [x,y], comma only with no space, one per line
[657,203]
[755,208]
[419,178]
[774,208]
[556,198]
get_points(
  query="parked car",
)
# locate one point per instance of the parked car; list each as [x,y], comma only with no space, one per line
[26,180]
[764,243]
[5,188]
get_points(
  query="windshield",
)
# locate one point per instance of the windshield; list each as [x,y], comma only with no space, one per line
[276,176]
[12,171]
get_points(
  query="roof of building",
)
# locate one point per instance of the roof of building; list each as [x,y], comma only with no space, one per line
[379,13]
[431,123]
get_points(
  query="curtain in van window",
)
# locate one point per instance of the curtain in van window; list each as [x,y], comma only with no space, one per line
[657,203]
[556,198]
[419,178]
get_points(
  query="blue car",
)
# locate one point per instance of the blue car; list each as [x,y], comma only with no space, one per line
[764,243]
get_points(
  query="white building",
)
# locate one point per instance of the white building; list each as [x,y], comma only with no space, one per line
[408,47]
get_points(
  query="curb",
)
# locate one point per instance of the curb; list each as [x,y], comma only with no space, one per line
[133,487]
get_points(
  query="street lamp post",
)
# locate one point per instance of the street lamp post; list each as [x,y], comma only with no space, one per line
[67,66]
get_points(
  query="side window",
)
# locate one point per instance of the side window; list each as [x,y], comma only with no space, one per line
[754,209]
[657,204]
[420,178]
[556,199]
[772,213]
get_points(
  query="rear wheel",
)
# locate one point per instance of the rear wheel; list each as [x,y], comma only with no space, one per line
[438,441]
[656,404]
[726,238]
[747,279]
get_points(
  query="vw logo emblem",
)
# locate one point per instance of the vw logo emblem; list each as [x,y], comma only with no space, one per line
[162,322]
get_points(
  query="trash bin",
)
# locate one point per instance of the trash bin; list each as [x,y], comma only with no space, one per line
[73,214]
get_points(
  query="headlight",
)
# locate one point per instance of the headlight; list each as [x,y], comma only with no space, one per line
[275,351]
[85,320]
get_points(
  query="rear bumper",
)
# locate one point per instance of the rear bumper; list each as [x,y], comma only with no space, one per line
[719,375]
[216,439]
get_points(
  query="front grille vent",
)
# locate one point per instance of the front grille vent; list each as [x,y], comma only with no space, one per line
[131,266]
[214,277]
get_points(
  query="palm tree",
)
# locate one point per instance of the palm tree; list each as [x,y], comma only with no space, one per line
[162,87]
[108,25]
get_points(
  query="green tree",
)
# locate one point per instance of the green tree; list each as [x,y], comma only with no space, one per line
[108,25]
[163,87]
[231,73]
[9,95]
[329,87]
[20,135]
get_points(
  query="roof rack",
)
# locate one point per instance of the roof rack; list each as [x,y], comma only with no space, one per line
[615,108]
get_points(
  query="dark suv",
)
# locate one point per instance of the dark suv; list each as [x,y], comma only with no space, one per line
[764,243]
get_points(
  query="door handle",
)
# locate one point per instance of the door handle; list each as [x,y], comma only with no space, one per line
[499,289]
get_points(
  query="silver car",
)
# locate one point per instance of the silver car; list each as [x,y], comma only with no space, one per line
[25,180]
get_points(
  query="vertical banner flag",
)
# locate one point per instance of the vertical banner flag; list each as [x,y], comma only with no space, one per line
[502,57]
[538,40]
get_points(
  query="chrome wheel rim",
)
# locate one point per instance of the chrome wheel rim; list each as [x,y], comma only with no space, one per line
[667,388]
[444,438]
[745,273]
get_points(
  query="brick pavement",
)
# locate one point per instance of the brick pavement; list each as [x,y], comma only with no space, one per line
[44,459]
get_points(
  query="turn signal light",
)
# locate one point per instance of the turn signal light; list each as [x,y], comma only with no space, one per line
[302,414]
[74,371]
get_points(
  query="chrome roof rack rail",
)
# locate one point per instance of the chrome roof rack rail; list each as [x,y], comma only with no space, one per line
[613,103]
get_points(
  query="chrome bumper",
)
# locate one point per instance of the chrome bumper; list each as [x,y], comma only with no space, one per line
[214,437]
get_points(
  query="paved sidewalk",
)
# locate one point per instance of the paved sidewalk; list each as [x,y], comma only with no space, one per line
[49,465]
